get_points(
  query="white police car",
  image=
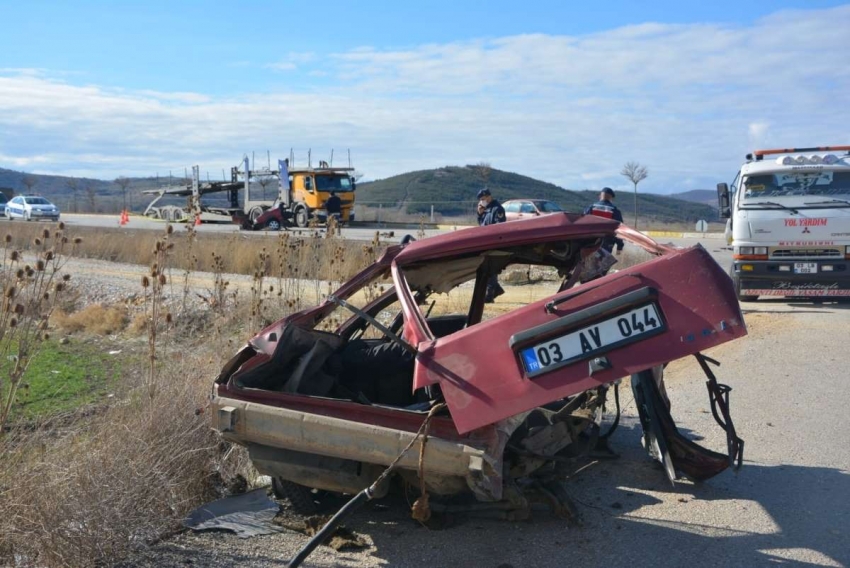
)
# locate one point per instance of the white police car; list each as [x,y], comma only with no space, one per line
[29,207]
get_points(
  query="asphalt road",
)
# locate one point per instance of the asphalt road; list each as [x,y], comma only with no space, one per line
[354,233]
[788,505]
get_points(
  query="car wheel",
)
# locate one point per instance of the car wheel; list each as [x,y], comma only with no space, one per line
[301,217]
[27,216]
[273,225]
[302,498]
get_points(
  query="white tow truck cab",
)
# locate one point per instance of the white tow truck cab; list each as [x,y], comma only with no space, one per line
[788,222]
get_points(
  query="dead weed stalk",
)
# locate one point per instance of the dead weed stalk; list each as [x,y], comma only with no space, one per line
[153,286]
[30,292]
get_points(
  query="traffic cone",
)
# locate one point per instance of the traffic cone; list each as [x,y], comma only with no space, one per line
[123,221]
[197,219]
[126,216]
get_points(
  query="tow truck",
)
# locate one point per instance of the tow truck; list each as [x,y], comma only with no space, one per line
[788,221]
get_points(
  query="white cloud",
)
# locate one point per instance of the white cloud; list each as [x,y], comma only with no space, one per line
[686,100]
[282,66]
[758,133]
[292,61]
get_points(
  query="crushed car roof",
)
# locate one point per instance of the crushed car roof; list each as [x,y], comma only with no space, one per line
[537,229]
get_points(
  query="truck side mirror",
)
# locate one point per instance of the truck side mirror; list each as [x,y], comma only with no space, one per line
[353,184]
[308,183]
[723,200]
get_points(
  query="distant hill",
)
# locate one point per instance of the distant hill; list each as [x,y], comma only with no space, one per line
[452,191]
[707,196]
[106,194]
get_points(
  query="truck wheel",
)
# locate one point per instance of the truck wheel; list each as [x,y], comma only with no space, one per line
[300,497]
[255,213]
[301,217]
[741,297]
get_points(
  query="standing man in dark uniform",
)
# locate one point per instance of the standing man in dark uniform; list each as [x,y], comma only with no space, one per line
[334,207]
[605,208]
[490,212]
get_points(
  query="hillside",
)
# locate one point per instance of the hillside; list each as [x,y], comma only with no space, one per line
[92,195]
[452,191]
[707,196]
[106,195]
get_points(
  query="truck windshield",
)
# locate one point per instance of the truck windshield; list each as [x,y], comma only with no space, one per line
[333,183]
[821,183]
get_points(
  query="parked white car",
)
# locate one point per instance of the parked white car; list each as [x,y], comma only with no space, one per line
[29,207]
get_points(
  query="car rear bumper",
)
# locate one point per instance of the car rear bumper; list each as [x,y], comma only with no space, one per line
[778,278]
[448,463]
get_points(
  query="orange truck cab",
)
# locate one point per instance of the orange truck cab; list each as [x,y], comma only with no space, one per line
[310,188]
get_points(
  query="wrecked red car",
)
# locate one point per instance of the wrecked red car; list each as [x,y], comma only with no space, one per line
[327,402]
[273,219]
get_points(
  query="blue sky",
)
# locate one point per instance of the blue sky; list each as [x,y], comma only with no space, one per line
[562,91]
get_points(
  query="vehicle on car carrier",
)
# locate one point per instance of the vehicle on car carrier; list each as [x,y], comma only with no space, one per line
[788,214]
[330,397]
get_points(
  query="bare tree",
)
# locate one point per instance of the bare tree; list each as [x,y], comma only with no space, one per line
[635,173]
[29,182]
[91,195]
[73,185]
[123,183]
[265,181]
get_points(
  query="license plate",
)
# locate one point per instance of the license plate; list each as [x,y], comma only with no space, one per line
[805,268]
[592,340]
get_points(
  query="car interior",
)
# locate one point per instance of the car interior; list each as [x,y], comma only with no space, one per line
[355,352]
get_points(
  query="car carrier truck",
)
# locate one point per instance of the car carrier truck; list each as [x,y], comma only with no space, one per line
[298,193]
[788,220]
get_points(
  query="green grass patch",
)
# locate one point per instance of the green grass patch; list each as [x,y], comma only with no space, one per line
[62,378]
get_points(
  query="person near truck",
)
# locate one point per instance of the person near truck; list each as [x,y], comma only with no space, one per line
[606,209]
[334,207]
[490,212]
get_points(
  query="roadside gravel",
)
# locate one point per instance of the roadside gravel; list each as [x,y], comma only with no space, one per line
[100,281]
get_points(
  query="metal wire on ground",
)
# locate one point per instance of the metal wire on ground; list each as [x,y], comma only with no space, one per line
[368,494]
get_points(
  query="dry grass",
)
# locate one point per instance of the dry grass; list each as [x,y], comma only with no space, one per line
[288,256]
[87,489]
[90,492]
[94,318]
